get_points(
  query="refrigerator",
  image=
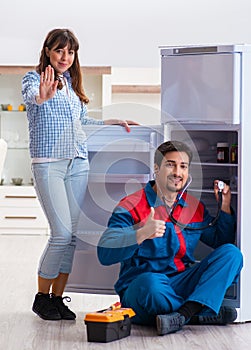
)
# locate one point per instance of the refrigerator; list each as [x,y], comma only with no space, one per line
[205,102]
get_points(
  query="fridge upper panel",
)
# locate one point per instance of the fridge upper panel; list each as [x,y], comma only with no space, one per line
[201,87]
[202,49]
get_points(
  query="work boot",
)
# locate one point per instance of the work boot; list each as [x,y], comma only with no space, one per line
[169,323]
[65,312]
[44,307]
[226,315]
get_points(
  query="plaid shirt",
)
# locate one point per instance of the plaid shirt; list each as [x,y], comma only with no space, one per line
[55,126]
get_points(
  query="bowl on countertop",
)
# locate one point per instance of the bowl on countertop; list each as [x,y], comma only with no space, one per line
[5,107]
[17,181]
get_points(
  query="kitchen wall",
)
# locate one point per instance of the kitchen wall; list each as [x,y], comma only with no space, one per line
[143,107]
[120,33]
[126,35]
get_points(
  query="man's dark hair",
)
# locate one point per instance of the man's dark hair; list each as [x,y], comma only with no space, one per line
[171,146]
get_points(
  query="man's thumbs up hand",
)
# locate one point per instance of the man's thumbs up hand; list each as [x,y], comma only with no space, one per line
[152,228]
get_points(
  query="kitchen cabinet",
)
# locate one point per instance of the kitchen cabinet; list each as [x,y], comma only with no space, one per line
[97,84]
[20,211]
[14,130]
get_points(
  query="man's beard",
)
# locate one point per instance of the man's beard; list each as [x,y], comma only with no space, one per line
[173,188]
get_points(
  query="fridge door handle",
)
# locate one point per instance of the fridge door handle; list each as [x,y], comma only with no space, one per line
[153,145]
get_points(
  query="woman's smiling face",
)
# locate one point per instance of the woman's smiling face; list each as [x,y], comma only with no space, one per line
[61,59]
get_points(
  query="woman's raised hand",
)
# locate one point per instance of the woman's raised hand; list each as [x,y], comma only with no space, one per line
[48,84]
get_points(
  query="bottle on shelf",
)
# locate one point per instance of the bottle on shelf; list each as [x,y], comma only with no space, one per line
[234,153]
[222,152]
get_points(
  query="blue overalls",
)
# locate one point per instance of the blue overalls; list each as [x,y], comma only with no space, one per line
[160,274]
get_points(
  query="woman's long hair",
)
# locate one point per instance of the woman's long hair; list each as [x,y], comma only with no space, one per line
[59,39]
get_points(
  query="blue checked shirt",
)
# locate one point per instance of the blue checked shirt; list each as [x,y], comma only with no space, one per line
[55,126]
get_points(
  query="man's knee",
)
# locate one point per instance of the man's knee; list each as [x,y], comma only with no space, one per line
[230,250]
[150,281]
[230,254]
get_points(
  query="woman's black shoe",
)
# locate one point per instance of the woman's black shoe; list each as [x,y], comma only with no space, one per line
[65,312]
[44,307]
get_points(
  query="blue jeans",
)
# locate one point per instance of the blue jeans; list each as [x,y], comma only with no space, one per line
[151,294]
[60,187]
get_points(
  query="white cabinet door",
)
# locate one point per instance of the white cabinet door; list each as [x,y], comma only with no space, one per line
[20,211]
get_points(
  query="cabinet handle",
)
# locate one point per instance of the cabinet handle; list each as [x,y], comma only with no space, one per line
[21,217]
[9,196]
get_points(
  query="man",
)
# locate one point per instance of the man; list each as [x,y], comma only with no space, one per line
[153,234]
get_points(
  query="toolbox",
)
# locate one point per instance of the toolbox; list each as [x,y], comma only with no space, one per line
[108,325]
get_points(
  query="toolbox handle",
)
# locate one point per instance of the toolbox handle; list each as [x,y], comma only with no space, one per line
[125,325]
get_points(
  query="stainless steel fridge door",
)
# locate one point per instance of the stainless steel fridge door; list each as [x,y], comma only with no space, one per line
[120,163]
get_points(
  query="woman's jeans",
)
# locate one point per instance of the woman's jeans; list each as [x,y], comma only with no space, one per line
[61,187]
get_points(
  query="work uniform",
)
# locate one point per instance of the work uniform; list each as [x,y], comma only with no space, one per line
[161,274]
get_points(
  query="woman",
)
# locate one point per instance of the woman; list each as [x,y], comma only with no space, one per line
[56,111]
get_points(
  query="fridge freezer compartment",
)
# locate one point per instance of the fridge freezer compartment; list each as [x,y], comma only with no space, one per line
[201,88]
[114,138]
[89,276]
[119,146]
[100,200]
[119,163]
[118,178]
